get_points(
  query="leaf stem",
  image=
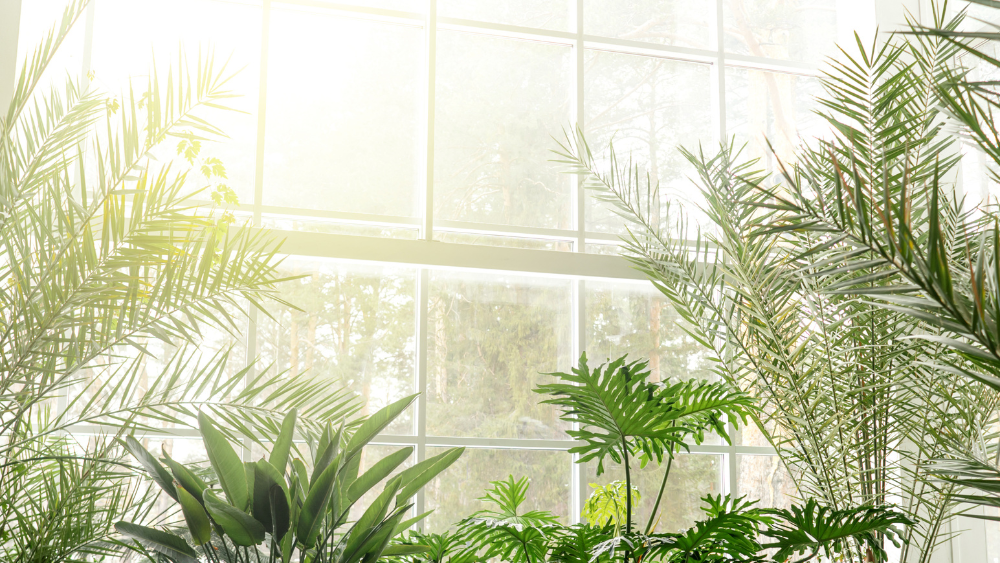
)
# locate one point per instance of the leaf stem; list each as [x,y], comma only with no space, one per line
[659,495]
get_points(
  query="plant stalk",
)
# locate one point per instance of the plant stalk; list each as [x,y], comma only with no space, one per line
[659,496]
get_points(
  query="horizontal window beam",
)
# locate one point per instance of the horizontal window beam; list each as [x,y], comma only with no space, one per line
[437,254]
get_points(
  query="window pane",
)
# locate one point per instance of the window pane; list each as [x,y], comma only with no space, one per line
[769,106]
[668,22]
[343,117]
[798,30]
[765,479]
[124,50]
[692,476]
[635,319]
[544,14]
[454,494]
[636,102]
[490,339]
[358,327]
[499,101]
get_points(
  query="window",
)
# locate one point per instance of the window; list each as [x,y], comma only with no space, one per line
[402,146]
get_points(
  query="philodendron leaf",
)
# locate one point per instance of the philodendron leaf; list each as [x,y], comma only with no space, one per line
[283,443]
[241,528]
[420,474]
[186,477]
[314,506]
[156,471]
[280,514]
[227,465]
[375,424]
[195,517]
[168,544]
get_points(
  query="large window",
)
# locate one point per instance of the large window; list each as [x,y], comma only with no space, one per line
[403,147]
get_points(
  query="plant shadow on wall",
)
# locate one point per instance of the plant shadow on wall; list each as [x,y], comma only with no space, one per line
[848,291]
[112,281]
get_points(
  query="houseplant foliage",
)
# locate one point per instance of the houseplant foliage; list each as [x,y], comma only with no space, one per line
[851,403]
[639,418]
[111,277]
[938,256]
[274,508]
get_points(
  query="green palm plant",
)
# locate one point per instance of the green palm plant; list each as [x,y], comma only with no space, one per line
[850,402]
[281,506]
[112,275]
[938,256]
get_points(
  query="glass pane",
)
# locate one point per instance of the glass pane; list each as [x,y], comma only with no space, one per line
[636,102]
[37,18]
[343,121]
[357,328]
[797,30]
[765,479]
[635,319]
[453,494]
[499,101]
[490,339]
[505,241]
[668,22]
[692,476]
[544,14]
[405,5]
[123,49]
[769,106]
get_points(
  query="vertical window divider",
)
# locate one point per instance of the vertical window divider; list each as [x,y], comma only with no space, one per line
[579,313]
[731,478]
[427,195]
[258,188]
[420,422]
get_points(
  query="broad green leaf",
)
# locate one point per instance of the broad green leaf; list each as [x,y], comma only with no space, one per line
[373,515]
[375,424]
[414,478]
[168,544]
[185,477]
[195,517]
[394,550]
[283,443]
[227,465]
[241,528]
[280,514]
[315,504]
[265,477]
[156,471]
[379,471]
[328,450]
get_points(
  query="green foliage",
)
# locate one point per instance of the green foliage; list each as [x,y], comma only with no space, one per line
[606,505]
[283,510]
[112,284]
[505,531]
[773,287]
[620,413]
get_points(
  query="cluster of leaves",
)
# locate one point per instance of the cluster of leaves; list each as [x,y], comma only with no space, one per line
[108,262]
[279,503]
[733,530]
[625,413]
[781,287]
